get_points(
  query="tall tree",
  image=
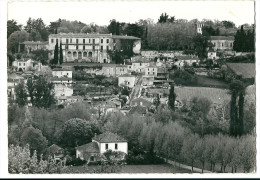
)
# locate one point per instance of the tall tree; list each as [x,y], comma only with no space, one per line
[163,18]
[201,44]
[156,101]
[61,54]
[172,97]
[21,94]
[12,26]
[15,39]
[56,54]
[237,89]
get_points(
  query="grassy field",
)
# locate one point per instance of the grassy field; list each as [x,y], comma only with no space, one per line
[210,82]
[128,169]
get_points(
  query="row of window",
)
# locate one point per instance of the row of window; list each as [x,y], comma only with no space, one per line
[93,47]
[20,64]
[116,146]
[84,41]
[222,44]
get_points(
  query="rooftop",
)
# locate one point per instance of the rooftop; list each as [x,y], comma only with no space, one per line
[108,137]
[90,147]
[53,149]
[221,38]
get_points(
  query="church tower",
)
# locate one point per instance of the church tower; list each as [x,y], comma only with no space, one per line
[199,28]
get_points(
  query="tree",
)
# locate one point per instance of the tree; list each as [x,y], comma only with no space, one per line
[172,97]
[42,92]
[20,161]
[76,132]
[15,39]
[228,24]
[163,18]
[87,29]
[12,27]
[237,89]
[61,54]
[201,44]
[156,101]
[34,138]
[56,54]
[21,94]
[41,55]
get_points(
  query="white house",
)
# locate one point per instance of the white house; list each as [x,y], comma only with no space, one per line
[58,72]
[151,71]
[126,80]
[62,90]
[212,55]
[92,152]
[24,65]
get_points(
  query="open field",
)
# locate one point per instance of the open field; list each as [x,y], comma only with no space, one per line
[210,82]
[247,70]
[163,168]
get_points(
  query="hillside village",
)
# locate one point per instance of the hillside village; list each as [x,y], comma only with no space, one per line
[108,79]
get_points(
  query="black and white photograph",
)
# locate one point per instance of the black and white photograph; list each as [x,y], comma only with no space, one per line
[129,87]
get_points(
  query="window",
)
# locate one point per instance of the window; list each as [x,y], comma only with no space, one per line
[52,40]
[77,41]
[114,41]
[93,47]
[89,40]
[92,158]
[19,64]
[106,146]
[140,64]
[116,146]
[67,41]
[70,40]
[107,47]
[231,44]
[107,40]
[24,64]
[83,41]
[77,47]
[101,48]
[101,40]
[56,40]
[222,44]
[83,47]
[93,41]
[66,47]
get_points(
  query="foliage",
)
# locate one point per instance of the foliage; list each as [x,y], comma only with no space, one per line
[75,162]
[20,161]
[157,101]
[36,26]
[172,97]
[21,94]
[41,55]
[76,132]
[56,54]
[35,139]
[182,77]
[12,26]
[14,39]
[165,18]
[61,54]
[41,92]
[244,41]
[201,44]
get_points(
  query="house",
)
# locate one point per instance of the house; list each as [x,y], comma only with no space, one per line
[69,99]
[110,106]
[94,47]
[56,152]
[62,90]
[59,72]
[222,42]
[148,80]
[139,110]
[186,60]
[212,54]
[114,70]
[126,80]
[151,71]
[93,151]
[141,102]
[34,45]
[23,64]
[139,65]
[12,81]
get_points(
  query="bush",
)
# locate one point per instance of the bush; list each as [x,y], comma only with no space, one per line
[75,162]
[143,158]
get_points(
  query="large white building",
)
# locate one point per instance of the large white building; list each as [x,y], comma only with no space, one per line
[92,47]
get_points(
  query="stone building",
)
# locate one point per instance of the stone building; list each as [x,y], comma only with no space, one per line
[222,42]
[92,47]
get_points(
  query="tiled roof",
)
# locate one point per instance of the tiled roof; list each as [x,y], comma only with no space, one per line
[54,149]
[221,38]
[89,148]
[138,110]
[35,42]
[78,35]
[125,37]
[108,137]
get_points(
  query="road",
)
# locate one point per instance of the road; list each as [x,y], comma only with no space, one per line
[136,91]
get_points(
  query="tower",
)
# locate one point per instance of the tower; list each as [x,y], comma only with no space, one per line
[199,28]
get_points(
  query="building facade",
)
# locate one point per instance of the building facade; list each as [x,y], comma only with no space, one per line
[222,42]
[91,47]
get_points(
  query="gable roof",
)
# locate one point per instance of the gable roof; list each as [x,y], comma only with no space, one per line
[108,137]
[231,38]
[89,148]
[54,149]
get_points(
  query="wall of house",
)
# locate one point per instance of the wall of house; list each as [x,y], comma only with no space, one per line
[62,74]
[62,90]
[222,44]
[127,81]
[122,146]
[139,67]
[151,71]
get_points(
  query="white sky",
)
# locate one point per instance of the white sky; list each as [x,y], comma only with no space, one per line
[101,12]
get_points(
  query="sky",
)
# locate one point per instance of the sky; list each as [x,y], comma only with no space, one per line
[101,12]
